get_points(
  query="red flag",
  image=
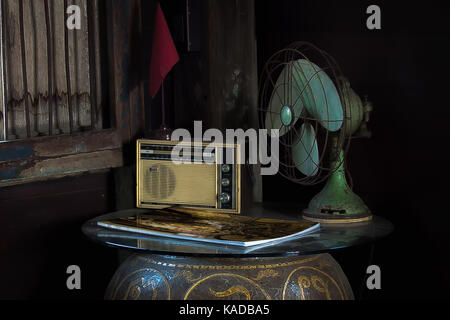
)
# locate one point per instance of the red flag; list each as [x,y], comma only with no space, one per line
[164,53]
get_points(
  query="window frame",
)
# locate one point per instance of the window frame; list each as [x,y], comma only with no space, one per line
[51,157]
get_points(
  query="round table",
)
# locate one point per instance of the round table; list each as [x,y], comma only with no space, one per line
[164,268]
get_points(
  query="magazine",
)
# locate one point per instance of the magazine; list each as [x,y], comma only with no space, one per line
[218,228]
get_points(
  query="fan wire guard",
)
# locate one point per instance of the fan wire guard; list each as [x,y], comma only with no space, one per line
[328,142]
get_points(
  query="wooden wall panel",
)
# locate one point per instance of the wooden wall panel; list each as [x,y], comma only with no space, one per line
[40,227]
[123,37]
[219,83]
[232,82]
[41,95]
[125,57]
[57,156]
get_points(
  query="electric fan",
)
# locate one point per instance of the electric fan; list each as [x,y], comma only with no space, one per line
[305,96]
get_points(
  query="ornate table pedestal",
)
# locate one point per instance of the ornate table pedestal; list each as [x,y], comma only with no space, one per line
[304,277]
[167,268]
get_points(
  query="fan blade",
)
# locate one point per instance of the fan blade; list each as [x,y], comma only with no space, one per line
[306,152]
[285,105]
[319,95]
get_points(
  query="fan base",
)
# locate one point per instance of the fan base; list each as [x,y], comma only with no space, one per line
[336,218]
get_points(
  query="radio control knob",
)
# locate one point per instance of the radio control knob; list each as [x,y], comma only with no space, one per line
[226,168]
[225,182]
[224,197]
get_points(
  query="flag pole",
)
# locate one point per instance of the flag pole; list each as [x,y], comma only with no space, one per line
[164,57]
[163,111]
[164,132]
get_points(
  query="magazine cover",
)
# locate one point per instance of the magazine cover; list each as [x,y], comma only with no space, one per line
[211,227]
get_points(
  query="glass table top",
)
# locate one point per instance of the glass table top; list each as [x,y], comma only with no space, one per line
[329,237]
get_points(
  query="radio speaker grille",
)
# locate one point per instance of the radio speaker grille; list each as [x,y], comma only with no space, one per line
[160,181]
[167,183]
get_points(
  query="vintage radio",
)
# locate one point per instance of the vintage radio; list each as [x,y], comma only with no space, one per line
[200,181]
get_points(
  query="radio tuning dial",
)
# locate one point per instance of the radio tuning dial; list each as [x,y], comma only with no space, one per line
[226,168]
[225,182]
[224,197]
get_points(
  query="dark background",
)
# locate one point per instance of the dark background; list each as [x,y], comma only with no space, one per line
[401,172]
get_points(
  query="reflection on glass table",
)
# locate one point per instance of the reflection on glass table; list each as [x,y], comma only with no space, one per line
[329,237]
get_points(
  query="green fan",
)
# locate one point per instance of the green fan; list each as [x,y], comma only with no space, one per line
[305,96]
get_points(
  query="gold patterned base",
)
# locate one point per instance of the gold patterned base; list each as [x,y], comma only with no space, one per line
[153,277]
